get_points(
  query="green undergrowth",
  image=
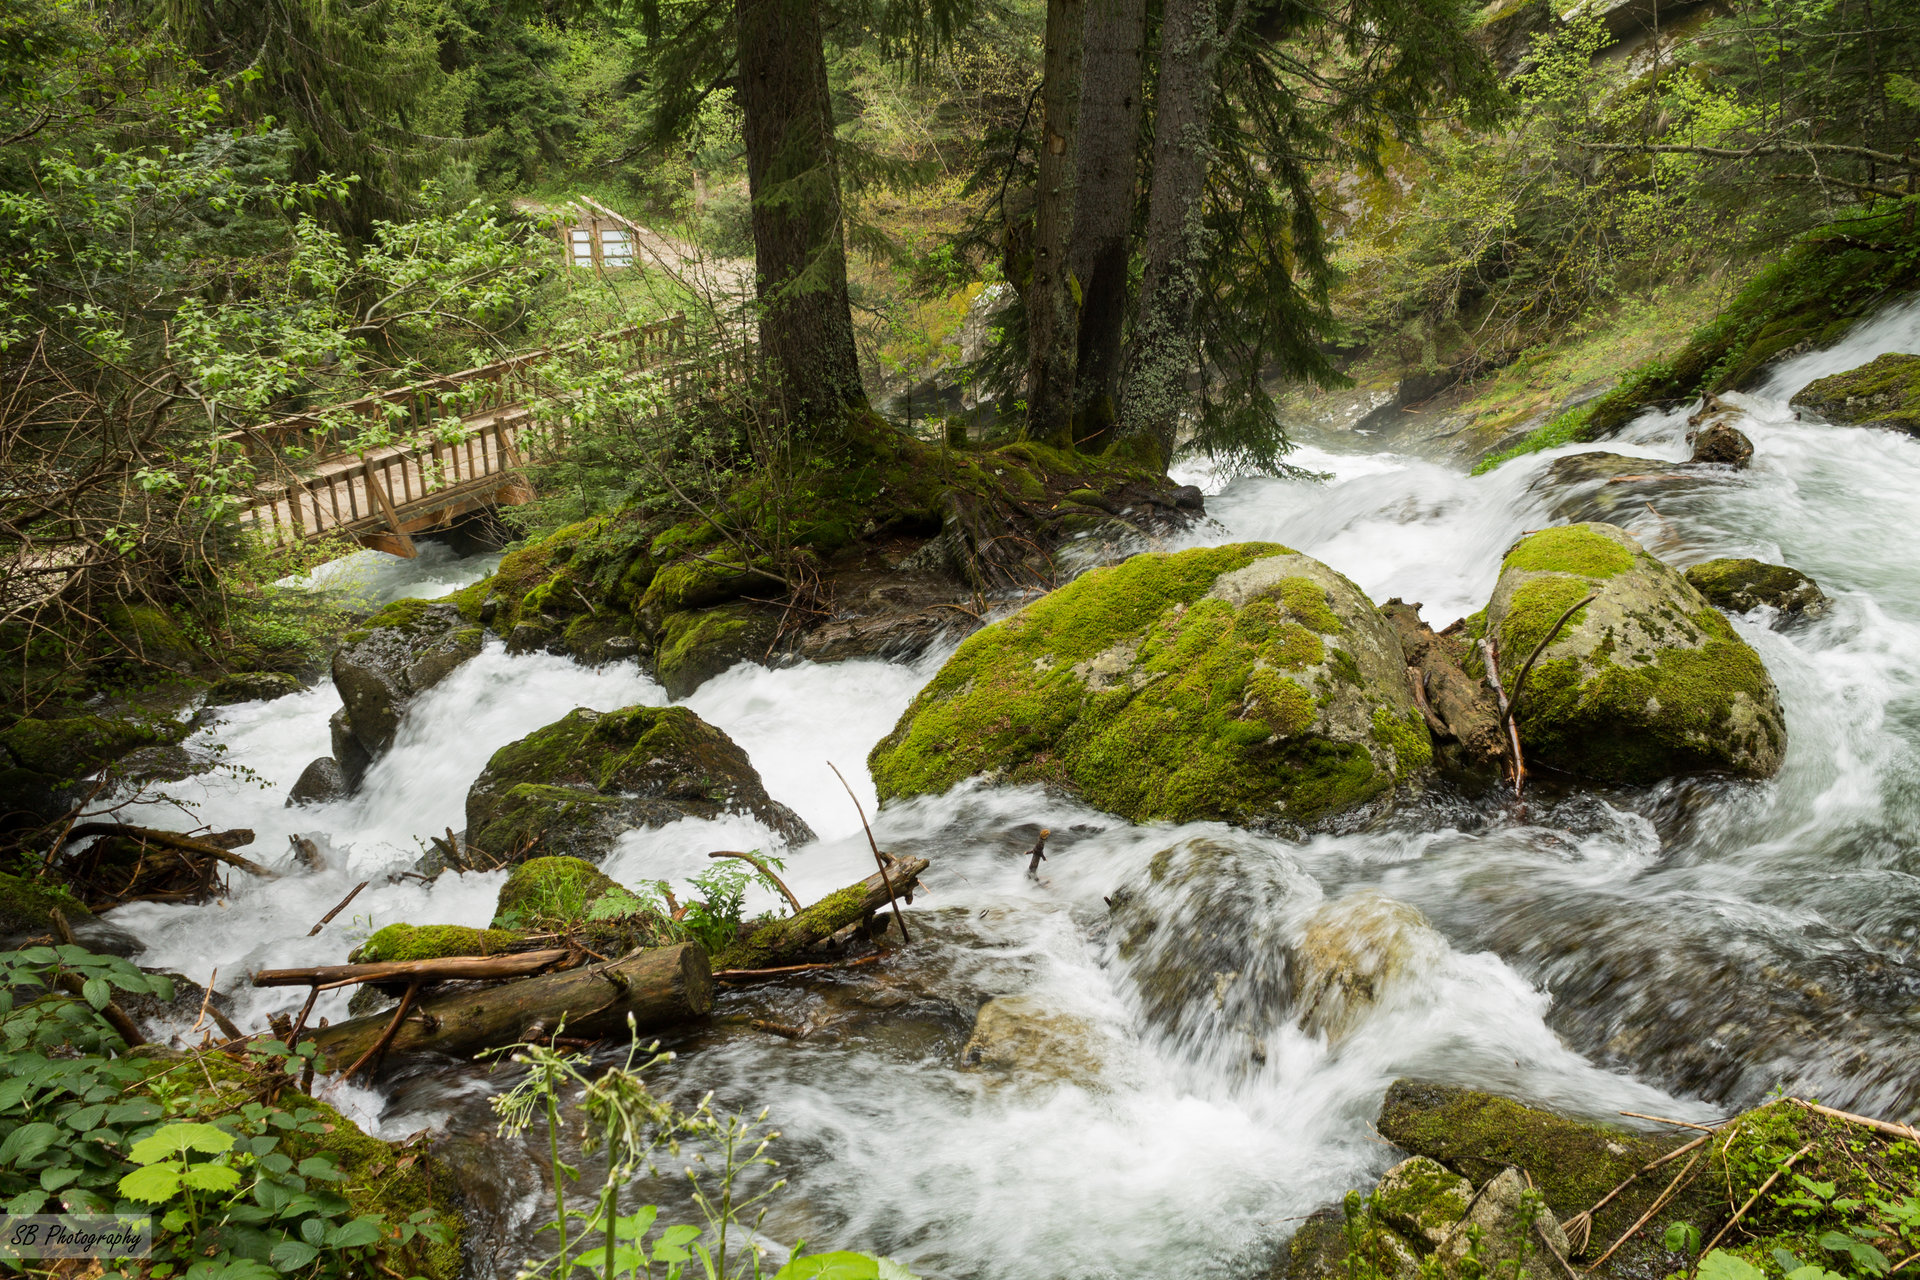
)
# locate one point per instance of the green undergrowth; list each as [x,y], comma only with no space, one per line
[1782,1190]
[1818,289]
[244,1175]
[638,569]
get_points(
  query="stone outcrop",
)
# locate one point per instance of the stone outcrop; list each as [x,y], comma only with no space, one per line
[1246,683]
[1740,585]
[572,787]
[1023,1037]
[1644,681]
[320,782]
[381,667]
[1882,393]
[43,761]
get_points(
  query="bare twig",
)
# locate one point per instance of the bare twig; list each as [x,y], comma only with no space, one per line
[338,908]
[386,1037]
[1659,1203]
[885,879]
[1742,1210]
[1520,683]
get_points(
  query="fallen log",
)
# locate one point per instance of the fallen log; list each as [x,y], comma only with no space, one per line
[783,941]
[448,969]
[172,840]
[659,986]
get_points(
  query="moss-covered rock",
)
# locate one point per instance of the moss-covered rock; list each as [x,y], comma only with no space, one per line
[398,942]
[1882,393]
[1422,1199]
[27,906]
[252,686]
[397,655]
[42,760]
[551,893]
[1574,1163]
[1245,682]
[697,645]
[576,784]
[567,895]
[1644,681]
[1740,585]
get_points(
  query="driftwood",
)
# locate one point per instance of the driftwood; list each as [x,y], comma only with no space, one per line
[659,986]
[780,942]
[1459,709]
[177,842]
[519,964]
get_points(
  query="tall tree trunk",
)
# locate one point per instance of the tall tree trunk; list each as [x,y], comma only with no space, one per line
[1112,74]
[1053,309]
[1192,39]
[806,324]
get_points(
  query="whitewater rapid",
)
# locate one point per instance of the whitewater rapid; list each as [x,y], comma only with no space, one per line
[1584,946]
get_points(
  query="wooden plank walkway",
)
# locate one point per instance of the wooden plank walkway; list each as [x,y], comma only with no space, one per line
[464,441]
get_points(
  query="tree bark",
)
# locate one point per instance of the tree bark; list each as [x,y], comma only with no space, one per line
[1192,38]
[1113,66]
[447,969]
[1053,304]
[800,256]
[782,941]
[660,987]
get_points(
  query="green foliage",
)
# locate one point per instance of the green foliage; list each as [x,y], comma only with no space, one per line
[631,1128]
[234,1182]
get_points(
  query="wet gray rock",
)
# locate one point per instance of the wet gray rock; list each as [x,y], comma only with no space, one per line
[1023,1036]
[401,652]
[1719,441]
[252,686]
[1740,585]
[161,1020]
[320,782]
[354,760]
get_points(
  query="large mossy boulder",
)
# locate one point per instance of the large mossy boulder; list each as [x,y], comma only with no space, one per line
[572,787]
[397,655]
[1247,683]
[1644,681]
[1882,393]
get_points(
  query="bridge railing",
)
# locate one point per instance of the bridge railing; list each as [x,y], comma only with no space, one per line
[458,439]
[310,438]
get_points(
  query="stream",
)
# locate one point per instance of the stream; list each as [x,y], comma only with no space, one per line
[1678,950]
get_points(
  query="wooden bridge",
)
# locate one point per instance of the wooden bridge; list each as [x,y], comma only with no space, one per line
[462,443]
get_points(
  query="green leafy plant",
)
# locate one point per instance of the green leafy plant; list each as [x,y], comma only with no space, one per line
[628,1125]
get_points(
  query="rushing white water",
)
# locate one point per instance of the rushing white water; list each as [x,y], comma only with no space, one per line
[1674,949]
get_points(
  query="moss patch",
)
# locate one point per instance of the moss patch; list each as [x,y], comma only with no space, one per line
[550,893]
[28,905]
[1883,393]
[68,749]
[399,942]
[1570,549]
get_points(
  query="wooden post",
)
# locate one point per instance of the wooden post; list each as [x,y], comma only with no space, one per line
[408,551]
